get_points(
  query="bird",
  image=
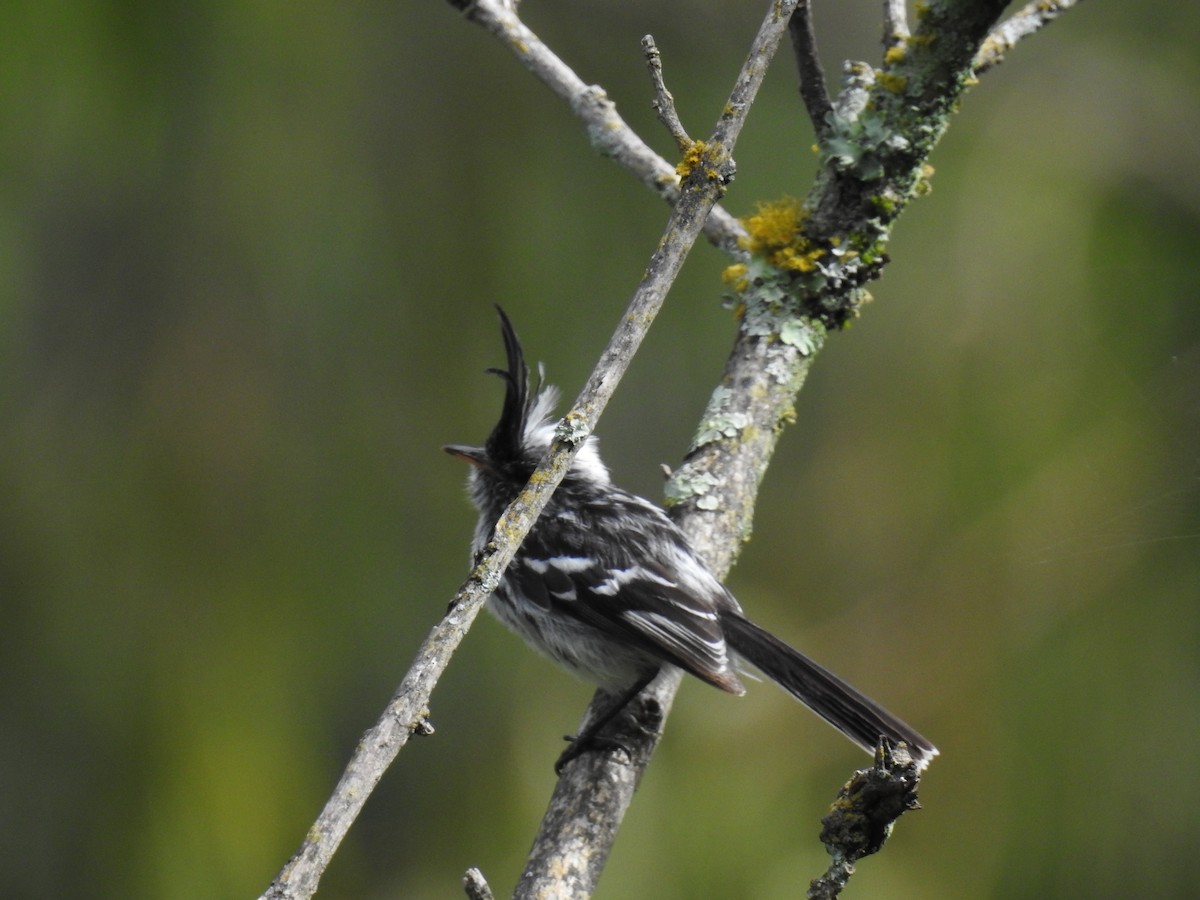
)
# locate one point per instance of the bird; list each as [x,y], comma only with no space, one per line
[608,586]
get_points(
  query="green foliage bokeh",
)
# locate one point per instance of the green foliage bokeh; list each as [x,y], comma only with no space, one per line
[248,258]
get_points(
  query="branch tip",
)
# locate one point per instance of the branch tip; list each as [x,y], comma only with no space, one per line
[813,90]
[664,101]
[861,818]
[1028,20]
[895,23]
[476,885]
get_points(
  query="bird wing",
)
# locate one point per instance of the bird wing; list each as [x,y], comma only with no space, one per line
[647,588]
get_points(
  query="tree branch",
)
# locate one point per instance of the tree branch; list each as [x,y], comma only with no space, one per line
[1028,20]
[895,23]
[476,886]
[813,90]
[607,131]
[664,102]
[861,818]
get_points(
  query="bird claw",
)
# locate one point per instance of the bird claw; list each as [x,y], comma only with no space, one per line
[585,743]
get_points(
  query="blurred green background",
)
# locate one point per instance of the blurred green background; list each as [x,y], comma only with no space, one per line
[248,253]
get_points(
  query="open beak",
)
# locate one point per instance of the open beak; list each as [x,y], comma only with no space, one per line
[476,456]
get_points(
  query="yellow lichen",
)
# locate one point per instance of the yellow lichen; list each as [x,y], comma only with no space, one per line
[925,182]
[774,225]
[692,157]
[892,82]
[735,276]
[894,55]
[776,233]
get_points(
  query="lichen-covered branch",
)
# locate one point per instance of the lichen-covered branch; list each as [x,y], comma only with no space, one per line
[810,260]
[808,266]
[861,818]
[588,805]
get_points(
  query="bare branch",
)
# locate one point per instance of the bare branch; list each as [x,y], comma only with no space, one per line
[581,821]
[664,102]
[1021,24]
[405,715]
[609,134]
[813,90]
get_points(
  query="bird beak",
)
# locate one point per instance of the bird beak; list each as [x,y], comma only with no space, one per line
[474,455]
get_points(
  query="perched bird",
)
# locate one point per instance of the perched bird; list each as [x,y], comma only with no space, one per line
[608,586]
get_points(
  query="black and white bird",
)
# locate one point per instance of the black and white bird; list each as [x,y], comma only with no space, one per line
[608,586]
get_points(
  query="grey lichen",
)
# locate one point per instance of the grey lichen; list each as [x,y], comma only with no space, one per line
[719,421]
[573,429]
[685,484]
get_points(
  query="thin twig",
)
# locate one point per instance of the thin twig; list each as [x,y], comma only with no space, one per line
[664,102]
[405,715]
[476,886]
[813,90]
[1021,24]
[609,134]
[895,23]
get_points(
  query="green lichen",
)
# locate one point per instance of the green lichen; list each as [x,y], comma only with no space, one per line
[885,204]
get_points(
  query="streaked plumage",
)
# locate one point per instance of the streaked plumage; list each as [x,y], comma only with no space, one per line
[607,585]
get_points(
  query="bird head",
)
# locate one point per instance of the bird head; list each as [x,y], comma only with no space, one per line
[523,434]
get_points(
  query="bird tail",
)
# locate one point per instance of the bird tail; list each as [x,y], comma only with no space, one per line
[852,713]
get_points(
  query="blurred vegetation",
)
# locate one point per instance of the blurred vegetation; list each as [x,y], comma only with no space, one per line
[248,256]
